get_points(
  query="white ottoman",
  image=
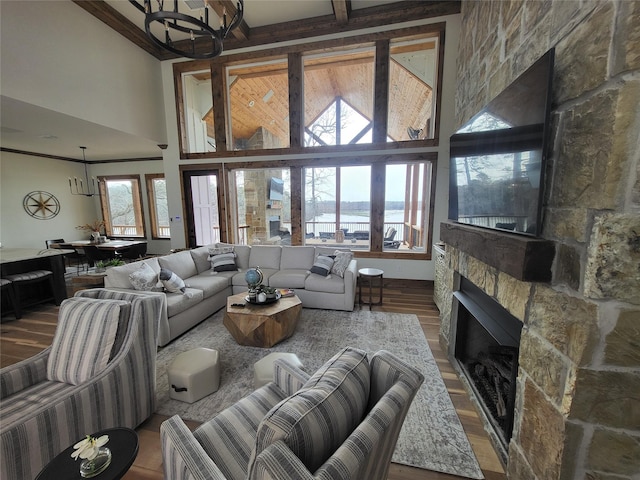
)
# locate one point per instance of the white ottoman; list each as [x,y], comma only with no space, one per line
[194,374]
[263,368]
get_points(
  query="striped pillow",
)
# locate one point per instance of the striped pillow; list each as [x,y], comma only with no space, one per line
[322,265]
[318,418]
[84,338]
[224,262]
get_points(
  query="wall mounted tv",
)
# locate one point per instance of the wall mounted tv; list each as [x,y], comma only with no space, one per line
[497,164]
[276,188]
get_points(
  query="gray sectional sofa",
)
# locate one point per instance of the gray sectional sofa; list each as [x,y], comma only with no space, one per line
[206,291]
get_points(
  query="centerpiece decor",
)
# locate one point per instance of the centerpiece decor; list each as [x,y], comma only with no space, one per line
[94,229]
[96,457]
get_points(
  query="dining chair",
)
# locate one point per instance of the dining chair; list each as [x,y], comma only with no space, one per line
[95,254]
[78,256]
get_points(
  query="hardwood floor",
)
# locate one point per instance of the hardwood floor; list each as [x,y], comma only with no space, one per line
[25,337]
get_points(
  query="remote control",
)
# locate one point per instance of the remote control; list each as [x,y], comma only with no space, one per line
[240,305]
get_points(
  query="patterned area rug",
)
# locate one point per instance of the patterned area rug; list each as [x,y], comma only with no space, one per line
[432,436]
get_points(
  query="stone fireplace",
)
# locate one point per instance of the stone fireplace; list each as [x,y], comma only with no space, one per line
[575,291]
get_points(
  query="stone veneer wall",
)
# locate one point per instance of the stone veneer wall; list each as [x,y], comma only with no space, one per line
[578,400]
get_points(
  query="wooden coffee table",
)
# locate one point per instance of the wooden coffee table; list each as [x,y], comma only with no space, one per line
[261,325]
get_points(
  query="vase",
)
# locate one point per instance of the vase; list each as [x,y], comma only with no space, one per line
[98,464]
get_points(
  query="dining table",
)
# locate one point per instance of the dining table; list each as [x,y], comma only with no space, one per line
[111,245]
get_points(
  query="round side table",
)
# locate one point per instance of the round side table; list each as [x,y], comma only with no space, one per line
[370,274]
[123,443]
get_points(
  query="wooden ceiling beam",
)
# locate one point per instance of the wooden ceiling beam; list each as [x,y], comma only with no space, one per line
[121,24]
[220,7]
[341,9]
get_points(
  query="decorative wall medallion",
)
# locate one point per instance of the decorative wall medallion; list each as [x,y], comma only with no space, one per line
[41,205]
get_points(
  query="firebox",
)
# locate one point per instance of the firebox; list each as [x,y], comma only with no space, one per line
[486,347]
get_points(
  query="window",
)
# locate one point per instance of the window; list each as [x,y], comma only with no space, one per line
[198,112]
[412,85]
[338,98]
[263,205]
[158,206]
[121,203]
[406,206]
[338,206]
[259,99]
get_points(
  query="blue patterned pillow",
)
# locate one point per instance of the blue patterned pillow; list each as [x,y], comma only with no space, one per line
[318,418]
[84,338]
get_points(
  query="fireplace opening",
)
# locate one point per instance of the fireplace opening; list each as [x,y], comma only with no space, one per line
[486,347]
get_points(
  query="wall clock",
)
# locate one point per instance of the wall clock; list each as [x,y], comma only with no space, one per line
[41,205]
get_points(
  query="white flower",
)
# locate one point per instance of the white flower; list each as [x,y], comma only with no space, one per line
[88,448]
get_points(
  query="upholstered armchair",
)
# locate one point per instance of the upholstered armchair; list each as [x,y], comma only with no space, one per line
[98,373]
[342,422]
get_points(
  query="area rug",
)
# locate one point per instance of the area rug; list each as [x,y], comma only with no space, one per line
[432,437]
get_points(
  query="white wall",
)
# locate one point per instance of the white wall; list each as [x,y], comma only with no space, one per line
[21,174]
[57,56]
[406,269]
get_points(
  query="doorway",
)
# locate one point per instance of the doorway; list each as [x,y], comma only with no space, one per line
[203,205]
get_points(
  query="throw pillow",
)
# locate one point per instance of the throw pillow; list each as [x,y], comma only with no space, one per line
[318,418]
[341,262]
[223,262]
[84,338]
[322,265]
[144,278]
[172,282]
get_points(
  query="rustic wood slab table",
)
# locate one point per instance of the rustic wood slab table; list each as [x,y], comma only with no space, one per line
[256,325]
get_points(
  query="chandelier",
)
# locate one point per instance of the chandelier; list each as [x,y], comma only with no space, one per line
[178,23]
[84,187]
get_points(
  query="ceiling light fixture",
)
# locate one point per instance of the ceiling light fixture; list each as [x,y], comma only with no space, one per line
[78,187]
[175,22]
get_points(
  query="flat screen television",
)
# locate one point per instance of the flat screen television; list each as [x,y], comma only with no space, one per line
[276,188]
[497,159]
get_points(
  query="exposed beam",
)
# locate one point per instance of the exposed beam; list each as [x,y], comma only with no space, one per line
[222,6]
[341,9]
[121,24]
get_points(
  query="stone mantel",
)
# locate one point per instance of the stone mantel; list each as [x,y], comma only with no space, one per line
[525,258]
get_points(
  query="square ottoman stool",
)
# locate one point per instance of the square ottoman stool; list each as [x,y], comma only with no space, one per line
[263,368]
[194,374]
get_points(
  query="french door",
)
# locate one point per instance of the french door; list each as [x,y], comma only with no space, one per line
[204,207]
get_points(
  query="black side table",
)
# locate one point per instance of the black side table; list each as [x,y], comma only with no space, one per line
[123,443]
[370,274]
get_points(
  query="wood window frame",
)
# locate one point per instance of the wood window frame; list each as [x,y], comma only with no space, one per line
[294,54]
[151,201]
[137,205]
[378,164]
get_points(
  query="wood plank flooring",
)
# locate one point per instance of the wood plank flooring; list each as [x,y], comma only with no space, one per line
[25,337]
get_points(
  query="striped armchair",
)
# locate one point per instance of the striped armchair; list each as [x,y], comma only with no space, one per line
[341,423]
[52,400]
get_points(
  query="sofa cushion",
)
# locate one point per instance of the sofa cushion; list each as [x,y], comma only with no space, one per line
[181,263]
[297,258]
[293,278]
[118,277]
[322,265]
[210,284]
[85,335]
[200,257]
[341,262]
[265,256]
[329,284]
[178,302]
[317,419]
[242,254]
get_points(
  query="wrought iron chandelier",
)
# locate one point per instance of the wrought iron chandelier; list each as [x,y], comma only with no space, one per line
[86,188]
[173,21]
